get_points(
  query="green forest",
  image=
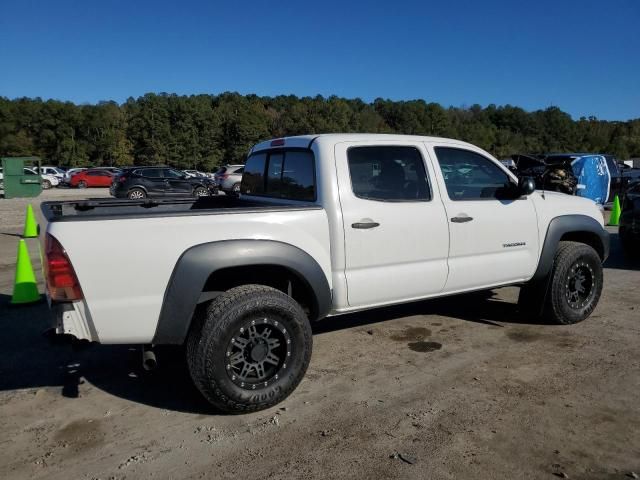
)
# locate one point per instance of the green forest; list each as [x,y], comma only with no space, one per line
[204,131]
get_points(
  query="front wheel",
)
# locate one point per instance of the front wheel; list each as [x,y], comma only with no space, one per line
[82,184]
[576,283]
[200,192]
[136,194]
[250,348]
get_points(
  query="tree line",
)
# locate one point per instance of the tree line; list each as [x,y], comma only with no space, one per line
[204,131]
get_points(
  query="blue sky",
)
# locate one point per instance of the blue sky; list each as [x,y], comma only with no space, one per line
[582,56]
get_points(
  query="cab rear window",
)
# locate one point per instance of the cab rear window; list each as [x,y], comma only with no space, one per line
[286,174]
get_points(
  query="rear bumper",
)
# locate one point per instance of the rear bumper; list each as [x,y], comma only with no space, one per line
[71,318]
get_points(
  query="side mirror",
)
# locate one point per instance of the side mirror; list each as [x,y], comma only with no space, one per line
[526,186]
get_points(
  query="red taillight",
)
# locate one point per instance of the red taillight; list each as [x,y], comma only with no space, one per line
[224,176]
[122,179]
[62,282]
[278,142]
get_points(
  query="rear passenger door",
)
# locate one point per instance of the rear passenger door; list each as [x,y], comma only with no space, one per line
[395,227]
[153,181]
[493,234]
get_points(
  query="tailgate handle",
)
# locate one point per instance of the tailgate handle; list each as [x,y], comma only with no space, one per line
[365,225]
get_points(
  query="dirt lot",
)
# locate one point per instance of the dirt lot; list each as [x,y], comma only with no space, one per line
[460,387]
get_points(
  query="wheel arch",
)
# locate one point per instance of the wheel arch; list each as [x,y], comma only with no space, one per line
[204,271]
[139,187]
[576,228]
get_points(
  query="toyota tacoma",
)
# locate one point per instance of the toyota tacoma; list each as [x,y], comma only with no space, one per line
[324,225]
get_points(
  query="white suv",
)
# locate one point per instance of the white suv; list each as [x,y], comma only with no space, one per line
[229,178]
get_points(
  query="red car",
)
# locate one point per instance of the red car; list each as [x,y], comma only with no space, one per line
[92,178]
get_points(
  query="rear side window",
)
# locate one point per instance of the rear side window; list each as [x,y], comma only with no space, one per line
[150,172]
[388,173]
[287,174]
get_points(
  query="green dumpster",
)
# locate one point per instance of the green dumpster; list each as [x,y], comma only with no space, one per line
[21,177]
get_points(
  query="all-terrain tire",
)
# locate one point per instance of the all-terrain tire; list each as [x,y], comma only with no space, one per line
[564,303]
[211,341]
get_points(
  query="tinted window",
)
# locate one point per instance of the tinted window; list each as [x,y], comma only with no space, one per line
[171,173]
[253,178]
[285,174]
[470,176]
[274,173]
[239,170]
[388,173]
[150,172]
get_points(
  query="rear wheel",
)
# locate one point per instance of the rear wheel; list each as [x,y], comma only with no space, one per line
[46,184]
[576,283]
[249,349]
[136,194]
[235,190]
[82,184]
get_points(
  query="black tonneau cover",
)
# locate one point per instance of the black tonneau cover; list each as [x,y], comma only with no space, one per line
[111,209]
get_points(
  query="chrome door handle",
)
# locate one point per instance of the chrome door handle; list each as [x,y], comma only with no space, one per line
[365,225]
[461,219]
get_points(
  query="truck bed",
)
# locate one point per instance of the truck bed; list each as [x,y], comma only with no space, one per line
[109,209]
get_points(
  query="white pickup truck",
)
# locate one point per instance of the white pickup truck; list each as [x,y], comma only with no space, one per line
[324,225]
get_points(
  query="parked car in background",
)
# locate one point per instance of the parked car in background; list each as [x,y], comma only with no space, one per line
[143,182]
[629,226]
[48,181]
[617,185]
[91,178]
[54,171]
[66,179]
[629,174]
[554,174]
[195,173]
[229,178]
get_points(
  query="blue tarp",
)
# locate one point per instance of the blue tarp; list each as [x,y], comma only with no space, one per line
[593,177]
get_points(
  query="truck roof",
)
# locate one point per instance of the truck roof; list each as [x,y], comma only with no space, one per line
[305,141]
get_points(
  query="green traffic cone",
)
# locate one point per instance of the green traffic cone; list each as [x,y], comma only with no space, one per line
[614,219]
[30,225]
[25,288]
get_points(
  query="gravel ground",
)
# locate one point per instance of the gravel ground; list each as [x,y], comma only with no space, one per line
[452,388]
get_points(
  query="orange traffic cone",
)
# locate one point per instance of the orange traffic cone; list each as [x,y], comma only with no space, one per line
[25,287]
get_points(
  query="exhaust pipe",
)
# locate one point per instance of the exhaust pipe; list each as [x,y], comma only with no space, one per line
[149,361]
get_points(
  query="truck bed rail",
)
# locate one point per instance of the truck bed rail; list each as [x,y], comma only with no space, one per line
[110,209]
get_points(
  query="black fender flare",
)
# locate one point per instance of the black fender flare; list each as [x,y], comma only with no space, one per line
[569,224]
[197,263]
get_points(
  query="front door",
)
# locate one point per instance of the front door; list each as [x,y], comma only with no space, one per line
[493,236]
[177,183]
[395,228]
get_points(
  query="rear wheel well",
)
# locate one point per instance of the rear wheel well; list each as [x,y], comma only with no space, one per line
[587,238]
[281,278]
